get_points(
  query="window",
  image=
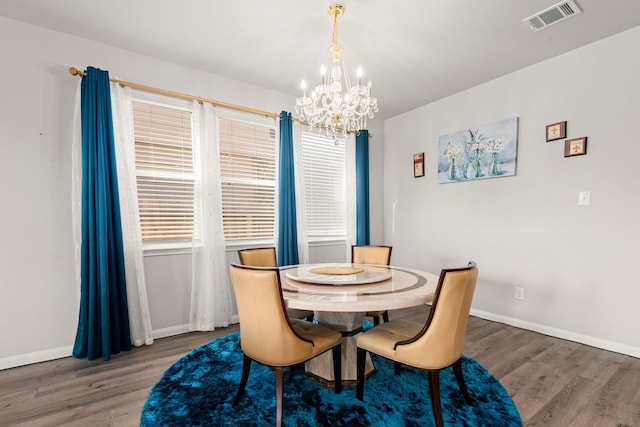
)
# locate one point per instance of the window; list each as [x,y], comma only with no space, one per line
[248,172]
[164,171]
[324,170]
[164,149]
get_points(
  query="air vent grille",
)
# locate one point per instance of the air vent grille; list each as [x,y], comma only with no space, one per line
[552,15]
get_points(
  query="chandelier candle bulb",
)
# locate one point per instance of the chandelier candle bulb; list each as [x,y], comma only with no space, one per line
[359,76]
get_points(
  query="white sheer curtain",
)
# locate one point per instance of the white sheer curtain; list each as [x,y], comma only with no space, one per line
[301,200]
[211,303]
[139,318]
[350,155]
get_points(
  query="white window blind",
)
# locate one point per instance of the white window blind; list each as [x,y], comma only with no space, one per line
[248,172]
[164,170]
[324,170]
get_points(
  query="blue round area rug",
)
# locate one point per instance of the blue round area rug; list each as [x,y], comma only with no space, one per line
[199,388]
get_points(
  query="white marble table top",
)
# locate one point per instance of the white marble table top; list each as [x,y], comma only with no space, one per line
[404,288]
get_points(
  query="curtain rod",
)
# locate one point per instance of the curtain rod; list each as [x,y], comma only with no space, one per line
[75,72]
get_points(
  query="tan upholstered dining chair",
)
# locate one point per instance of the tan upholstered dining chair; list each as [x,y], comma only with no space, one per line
[268,336]
[369,254]
[266,257]
[432,346]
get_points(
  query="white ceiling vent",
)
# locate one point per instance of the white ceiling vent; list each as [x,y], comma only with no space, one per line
[552,15]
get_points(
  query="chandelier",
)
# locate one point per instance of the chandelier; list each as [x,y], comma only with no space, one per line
[336,109]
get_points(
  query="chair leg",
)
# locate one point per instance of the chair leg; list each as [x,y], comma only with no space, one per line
[360,360]
[396,368]
[337,368]
[457,370]
[278,396]
[434,390]
[385,316]
[246,367]
[376,320]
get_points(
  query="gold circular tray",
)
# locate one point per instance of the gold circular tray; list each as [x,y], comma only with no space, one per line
[333,270]
[339,275]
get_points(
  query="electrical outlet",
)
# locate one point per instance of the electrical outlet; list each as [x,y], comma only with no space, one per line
[519,293]
[584,198]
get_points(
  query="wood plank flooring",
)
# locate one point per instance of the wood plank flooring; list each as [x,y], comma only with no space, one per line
[553,382]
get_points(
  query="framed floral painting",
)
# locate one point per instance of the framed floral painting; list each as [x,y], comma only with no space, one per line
[575,147]
[486,152]
[418,165]
[556,131]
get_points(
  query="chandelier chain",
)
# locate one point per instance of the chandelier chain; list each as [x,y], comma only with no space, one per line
[334,38]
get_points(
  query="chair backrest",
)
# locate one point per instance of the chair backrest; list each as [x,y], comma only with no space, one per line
[441,341]
[266,334]
[258,257]
[369,254]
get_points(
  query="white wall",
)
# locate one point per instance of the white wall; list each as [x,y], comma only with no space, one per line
[576,263]
[38,293]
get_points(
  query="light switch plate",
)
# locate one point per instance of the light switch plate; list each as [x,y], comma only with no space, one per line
[584,198]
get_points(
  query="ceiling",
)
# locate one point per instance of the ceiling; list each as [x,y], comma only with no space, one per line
[414,51]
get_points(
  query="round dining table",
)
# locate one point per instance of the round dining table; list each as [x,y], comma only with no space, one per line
[341,294]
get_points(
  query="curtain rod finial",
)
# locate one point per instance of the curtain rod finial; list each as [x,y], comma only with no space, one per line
[74,71]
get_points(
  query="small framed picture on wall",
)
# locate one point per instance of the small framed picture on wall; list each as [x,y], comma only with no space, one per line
[556,131]
[575,147]
[418,165]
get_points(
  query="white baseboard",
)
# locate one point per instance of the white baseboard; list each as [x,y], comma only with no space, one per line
[35,357]
[60,352]
[560,333]
[169,332]
[182,329]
